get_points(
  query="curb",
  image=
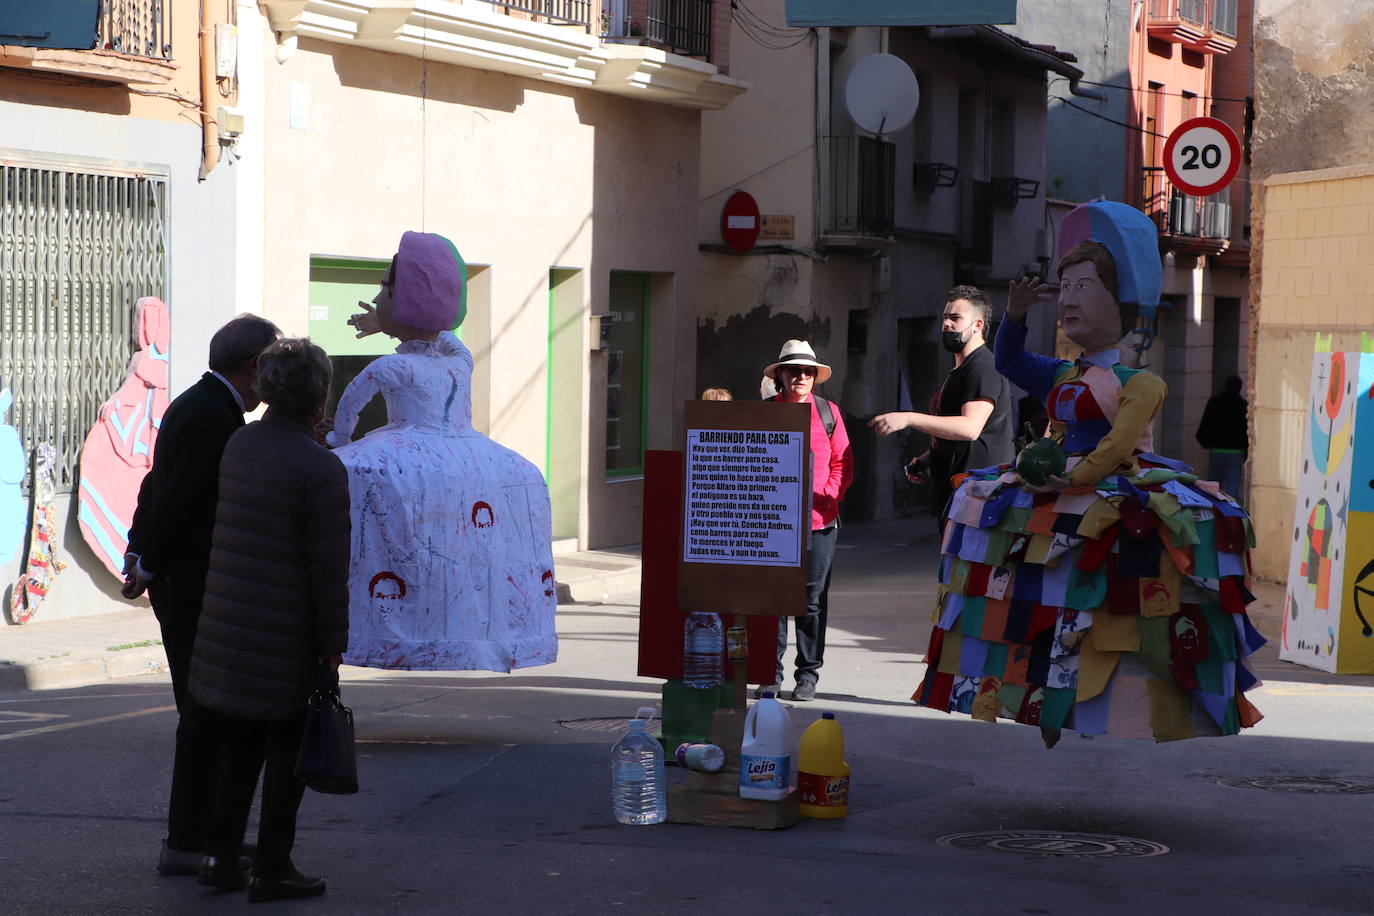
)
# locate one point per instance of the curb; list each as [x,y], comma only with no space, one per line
[596,587]
[54,674]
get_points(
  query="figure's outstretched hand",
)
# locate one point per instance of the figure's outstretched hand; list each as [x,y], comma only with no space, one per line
[1023,293]
[323,429]
[365,323]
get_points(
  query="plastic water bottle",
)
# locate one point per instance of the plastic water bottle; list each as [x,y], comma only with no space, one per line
[822,773]
[702,648]
[639,790]
[765,759]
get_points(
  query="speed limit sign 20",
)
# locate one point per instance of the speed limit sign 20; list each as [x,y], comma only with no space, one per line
[1202,156]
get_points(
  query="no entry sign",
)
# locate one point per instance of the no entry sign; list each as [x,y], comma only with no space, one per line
[1202,156]
[739,222]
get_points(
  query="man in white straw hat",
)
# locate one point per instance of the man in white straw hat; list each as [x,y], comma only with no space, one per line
[796,372]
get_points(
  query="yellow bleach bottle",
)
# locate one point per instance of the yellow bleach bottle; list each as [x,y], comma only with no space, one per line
[822,774]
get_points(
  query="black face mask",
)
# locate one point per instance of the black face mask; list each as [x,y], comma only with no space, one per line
[953,341]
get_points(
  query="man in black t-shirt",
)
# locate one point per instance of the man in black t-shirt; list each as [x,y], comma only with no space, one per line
[969,423]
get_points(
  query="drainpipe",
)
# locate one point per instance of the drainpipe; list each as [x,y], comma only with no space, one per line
[209,153]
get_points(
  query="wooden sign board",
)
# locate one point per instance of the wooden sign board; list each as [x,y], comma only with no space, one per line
[778,226]
[746,507]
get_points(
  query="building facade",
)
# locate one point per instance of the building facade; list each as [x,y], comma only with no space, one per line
[1313,215]
[1154,64]
[115,184]
[869,233]
[563,165]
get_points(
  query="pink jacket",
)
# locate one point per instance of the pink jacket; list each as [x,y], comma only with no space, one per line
[832,468]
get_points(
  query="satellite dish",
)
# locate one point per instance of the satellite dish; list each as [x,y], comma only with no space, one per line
[882,94]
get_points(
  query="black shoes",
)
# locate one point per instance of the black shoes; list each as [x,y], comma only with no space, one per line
[290,886]
[172,862]
[804,692]
[176,862]
[223,873]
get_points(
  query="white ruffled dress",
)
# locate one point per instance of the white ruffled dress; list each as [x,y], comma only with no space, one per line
[452,565]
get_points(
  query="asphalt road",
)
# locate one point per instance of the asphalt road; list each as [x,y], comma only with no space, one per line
[476,799]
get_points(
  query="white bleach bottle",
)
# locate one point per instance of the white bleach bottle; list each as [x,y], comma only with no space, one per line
[765,762]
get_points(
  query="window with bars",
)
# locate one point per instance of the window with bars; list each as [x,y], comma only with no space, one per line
[79,247]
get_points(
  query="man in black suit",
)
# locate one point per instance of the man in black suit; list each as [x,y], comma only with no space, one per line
[169,553]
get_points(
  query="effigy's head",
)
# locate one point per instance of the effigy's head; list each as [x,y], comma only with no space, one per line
[1109,269]
[426,286]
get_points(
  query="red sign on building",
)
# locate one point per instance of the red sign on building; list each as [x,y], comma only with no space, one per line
[739,222]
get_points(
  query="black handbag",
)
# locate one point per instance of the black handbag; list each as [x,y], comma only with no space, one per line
[327,761]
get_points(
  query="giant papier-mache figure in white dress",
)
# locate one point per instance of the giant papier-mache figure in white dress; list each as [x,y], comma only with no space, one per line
[452,565]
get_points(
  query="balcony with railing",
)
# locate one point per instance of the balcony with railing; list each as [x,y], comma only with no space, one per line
[131,42]
[1188,224]
[567,42]
[141,28]
[678,26]
[862,188]
[554,12]
[1206,26]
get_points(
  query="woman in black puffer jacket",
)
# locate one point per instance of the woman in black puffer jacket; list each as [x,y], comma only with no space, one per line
[276,607]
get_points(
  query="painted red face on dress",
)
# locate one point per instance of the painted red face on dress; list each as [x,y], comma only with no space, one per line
[1088,311]
[387,585]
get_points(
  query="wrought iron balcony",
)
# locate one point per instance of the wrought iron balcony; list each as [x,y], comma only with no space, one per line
[1224,17]
[1206,26]
[1187,223]
[681,26]
[557,12]
[863,180]
[141,28]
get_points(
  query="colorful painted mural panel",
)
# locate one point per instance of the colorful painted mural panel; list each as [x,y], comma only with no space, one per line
[1328,618]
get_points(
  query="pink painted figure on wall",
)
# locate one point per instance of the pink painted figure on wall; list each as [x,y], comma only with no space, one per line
[452,560]
[119,448]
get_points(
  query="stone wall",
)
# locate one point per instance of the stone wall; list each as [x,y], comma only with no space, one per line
[1312,142]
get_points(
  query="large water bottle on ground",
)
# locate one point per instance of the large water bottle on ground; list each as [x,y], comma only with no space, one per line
[639,791]
[765,760]
[702,650]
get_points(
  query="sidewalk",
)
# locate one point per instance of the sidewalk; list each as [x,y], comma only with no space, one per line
[45,655]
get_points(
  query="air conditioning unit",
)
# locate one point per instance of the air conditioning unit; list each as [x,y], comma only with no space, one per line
[1183,215]
[927,176]
[1216,220]
[1008,191]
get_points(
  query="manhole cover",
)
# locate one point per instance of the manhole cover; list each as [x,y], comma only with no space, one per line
[1056,843]
[1310,785]
[594,725]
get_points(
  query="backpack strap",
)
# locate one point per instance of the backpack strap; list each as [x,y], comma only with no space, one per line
[827,415]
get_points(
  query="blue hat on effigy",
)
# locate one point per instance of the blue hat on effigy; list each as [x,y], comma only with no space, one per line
[1132,239]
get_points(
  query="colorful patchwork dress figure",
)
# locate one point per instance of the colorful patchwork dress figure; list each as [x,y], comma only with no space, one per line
[452,560]
[1111,598]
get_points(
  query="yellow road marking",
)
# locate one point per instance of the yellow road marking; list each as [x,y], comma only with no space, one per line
[66,725]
